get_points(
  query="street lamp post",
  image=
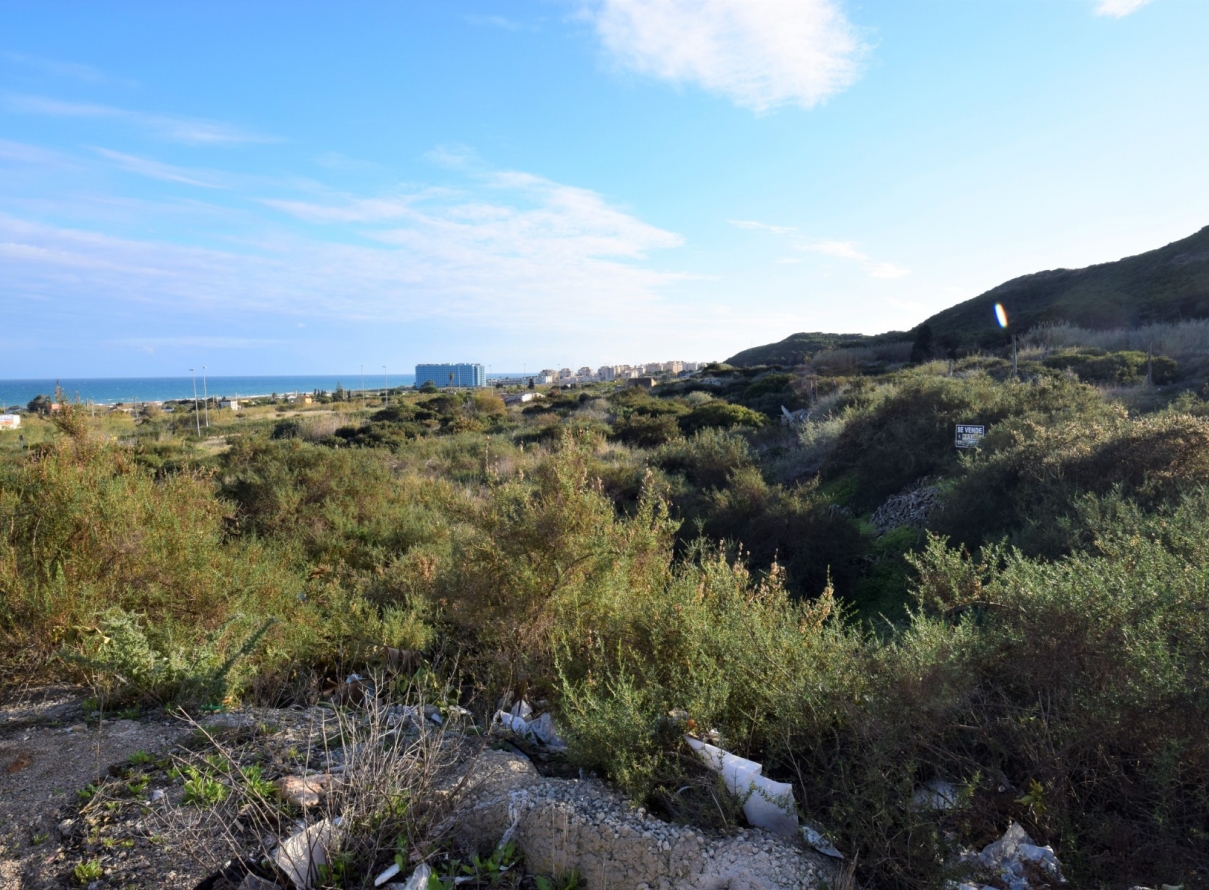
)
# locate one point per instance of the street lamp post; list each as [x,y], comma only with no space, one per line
[196,416]
[205,397]
[363,387]
[386,389]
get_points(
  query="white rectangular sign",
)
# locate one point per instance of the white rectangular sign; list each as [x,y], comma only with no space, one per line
[969,435]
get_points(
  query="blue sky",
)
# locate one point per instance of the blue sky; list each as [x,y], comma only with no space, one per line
[306,187]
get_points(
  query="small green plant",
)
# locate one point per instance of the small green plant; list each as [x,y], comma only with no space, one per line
[88,792]
[202,789]
[255,784]
[338,872]
[87,872]
[492,868]
[141,758]
[40,838]
[138,784]
[569,882]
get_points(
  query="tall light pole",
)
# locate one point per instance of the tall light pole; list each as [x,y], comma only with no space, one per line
[196,416]
[386,389]
[205,397]
[363,387]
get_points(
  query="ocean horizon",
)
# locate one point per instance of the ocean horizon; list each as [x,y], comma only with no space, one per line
[125,390]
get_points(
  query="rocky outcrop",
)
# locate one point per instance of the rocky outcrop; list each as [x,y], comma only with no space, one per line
[562,825]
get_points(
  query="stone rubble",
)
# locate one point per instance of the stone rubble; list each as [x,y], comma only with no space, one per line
[910,507]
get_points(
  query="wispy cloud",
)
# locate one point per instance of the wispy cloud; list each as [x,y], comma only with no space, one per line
[194,131]
[752,225]
[498,21]
[150,344]
[506,248]
[23,153]
[159,170]
[1119,8]
[849,250]
[761,55]
[57,68]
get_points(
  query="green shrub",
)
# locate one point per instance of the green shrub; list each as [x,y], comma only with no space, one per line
[720,414]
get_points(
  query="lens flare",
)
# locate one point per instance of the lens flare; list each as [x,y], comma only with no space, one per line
[1001,315]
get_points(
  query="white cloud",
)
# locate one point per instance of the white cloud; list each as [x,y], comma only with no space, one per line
[845,250]
[759,53]
[849,250]
[754,226]
[33,155]
[158,170]
[193,131]
[1119,8]
[509,248]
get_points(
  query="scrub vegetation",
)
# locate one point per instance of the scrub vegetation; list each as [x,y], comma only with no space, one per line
[639,559]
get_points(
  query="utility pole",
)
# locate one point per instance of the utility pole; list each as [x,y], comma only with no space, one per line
[1014,374]
[196,415]
[363,387]
[206,397]
[386,389]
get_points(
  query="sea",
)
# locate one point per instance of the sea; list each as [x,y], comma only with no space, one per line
[111,390]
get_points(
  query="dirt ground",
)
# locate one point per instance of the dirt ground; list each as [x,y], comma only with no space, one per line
[48,755]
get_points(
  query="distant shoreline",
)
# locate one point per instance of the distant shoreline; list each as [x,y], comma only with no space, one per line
[145,390]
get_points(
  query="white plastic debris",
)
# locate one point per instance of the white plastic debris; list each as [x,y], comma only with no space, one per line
[419,878]
[522,709]
[542,729]
[766,804]
[936,794]
[301,855]
[386,875]
[815,838]
[1008,855]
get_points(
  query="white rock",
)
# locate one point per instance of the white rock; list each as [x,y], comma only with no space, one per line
[419,878]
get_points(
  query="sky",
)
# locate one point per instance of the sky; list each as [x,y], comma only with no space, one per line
[276,188]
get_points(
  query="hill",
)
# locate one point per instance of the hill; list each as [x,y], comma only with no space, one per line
[1165,285]
[795,348]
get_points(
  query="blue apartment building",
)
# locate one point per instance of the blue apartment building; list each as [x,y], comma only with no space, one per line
[461,374]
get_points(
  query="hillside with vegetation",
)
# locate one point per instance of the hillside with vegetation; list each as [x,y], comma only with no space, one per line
[849,599]
[1160,287]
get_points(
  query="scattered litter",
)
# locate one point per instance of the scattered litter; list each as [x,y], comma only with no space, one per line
[766,804]
[381,879]
[937,794]
[419,878]
[816,839]
[301,855]
[157,795]
[1008,856]
[302,791]
[542,730]
[255,882]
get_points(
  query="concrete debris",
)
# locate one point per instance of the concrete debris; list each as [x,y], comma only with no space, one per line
[766,804]
[561,824]
[302,855]
[910,507]
[936,794]
[302,791]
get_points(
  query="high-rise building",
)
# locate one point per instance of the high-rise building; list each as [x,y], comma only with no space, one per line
[462,374]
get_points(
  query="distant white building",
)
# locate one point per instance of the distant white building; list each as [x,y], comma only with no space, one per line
[233,404]
[584,373]
[10,421]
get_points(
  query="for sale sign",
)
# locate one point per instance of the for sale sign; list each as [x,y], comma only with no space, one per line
[969,435]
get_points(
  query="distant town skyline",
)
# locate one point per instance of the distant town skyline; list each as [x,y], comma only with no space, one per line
[191,183]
